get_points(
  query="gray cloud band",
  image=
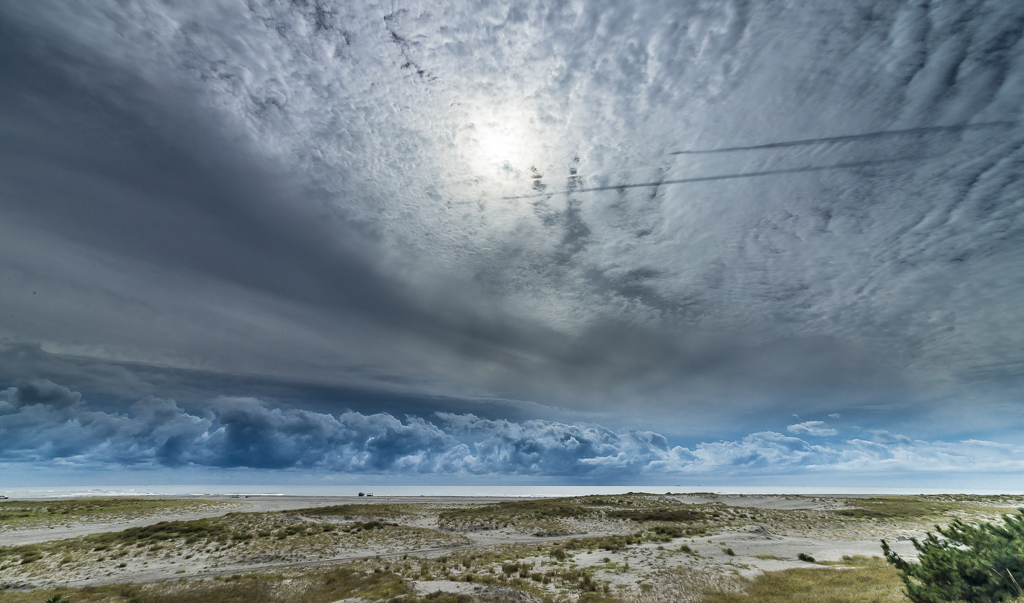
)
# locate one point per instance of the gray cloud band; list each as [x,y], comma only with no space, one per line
[42,421]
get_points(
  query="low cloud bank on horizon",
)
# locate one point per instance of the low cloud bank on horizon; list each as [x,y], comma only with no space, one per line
[41,421]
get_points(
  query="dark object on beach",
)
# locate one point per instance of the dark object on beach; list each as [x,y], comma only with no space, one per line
[362,494]
[805,557]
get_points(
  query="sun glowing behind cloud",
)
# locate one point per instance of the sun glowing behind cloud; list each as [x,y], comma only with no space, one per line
[499,145]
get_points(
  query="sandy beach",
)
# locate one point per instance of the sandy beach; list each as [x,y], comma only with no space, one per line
[624,542]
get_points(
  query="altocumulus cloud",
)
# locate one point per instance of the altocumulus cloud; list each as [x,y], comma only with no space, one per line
[333,192]
[812,428]
[41,422]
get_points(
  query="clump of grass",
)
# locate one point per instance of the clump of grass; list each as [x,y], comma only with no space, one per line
[728,551]
[662,514]
[501,514]
[606,543]
[670,532]
[873,583]
[199,529]
[351,511]
[617,543]
[898,508]
[805,557]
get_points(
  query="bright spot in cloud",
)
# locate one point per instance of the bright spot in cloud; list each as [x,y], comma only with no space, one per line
[499,145]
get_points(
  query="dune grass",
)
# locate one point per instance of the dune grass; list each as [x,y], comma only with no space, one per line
[552,516]
[232,538]
[668,514]
[311,586]
[898,508]
[871,581]
[351,511]
[21,514]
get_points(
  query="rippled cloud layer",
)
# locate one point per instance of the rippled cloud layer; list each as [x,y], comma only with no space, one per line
[695,216]
[44,422]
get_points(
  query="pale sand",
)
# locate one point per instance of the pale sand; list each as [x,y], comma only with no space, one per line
[248,504]
[753,544]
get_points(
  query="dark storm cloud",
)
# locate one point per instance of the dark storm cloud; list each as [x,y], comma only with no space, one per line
[101,158]
[334,195]
[98,156]
[43,422]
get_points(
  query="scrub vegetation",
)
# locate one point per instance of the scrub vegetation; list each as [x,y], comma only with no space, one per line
[33,514]
[562,517]
[352,511]
[870,581]
[965,563]
[311,586]
[231,540]
[631,548]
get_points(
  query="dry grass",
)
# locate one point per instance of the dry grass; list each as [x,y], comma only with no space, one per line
[899,508]
[385,511]
[22,514]
[873,582]
[311,586]
[236,538]
[624,526]
[566,516]
[686,584]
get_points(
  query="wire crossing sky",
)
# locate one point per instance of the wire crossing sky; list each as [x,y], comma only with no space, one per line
[583,242]
[795,170]
[851,137]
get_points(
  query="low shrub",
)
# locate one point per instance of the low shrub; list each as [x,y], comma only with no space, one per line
[975,564]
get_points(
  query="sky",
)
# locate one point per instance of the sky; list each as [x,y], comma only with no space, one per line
[574,242]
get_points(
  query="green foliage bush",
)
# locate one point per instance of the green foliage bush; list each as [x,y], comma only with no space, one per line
[975,564]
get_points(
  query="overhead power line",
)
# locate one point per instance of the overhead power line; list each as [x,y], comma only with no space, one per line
[795,170]
[849,137]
